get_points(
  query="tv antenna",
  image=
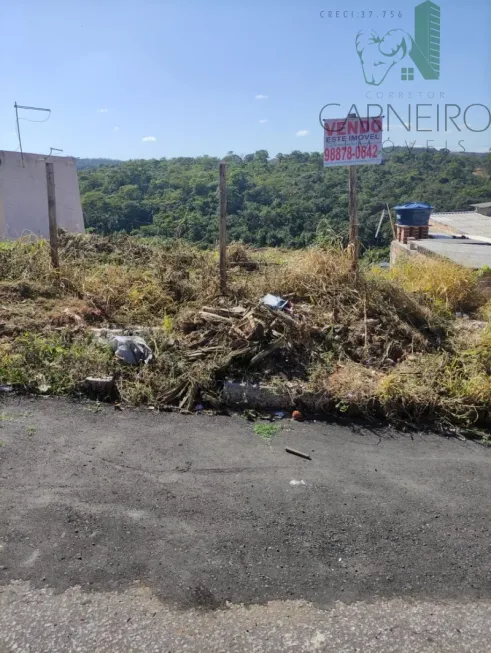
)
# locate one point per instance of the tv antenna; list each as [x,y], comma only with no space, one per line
[17,107]
[54,149]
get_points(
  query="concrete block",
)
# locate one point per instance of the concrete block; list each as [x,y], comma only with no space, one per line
[263,397]
[255,396]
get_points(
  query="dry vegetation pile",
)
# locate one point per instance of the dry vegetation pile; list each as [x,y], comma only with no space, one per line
[380,344]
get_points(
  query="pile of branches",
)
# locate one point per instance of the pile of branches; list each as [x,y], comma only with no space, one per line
[253,342]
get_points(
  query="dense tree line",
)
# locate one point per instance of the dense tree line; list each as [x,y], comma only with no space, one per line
[82,164]
[289,200]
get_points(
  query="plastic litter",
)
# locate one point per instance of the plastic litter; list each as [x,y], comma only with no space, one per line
[273,301]
[199,407]
[280,414]
[295,482]
[297,416]
[131,349]
[42,385]
[6,388]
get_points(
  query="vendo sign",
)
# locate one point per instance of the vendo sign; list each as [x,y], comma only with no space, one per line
[352,141]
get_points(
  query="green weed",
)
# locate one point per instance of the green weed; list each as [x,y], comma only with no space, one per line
[267,431]
[167,324]
[56,363]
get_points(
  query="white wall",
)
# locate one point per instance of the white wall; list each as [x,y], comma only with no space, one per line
[24,195]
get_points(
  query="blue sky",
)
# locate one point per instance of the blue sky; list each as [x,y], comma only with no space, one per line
[212,76]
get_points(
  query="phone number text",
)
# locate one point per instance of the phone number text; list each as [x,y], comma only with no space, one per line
[347,152]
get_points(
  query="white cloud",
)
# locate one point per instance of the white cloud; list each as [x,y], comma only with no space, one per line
[102,110]
[302,132]
[115,128]
[260,96]
[149,139]
[263,121]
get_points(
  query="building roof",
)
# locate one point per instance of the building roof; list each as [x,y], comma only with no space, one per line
[32,156]
[483,205]
[472,254]
[468,223]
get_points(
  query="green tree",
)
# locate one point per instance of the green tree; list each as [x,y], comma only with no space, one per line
[290,200]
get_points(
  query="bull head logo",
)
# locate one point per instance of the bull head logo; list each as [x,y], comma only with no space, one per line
[379,54]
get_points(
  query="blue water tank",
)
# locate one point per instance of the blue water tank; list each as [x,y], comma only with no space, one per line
[413,214]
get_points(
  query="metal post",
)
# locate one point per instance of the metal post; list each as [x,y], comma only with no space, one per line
[17,107]
[53,227]
[382,216]
[353,219]
[223,227]
[18,132]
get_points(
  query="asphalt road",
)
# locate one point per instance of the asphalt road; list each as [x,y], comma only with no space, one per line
[136,531]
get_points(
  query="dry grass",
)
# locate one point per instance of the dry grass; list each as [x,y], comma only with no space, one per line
[25,260]
[383,344]
[450,389]
[440,284]
[351,387]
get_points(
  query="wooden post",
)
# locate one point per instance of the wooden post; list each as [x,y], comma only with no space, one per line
[53,227]
[353,219]
[391,222]
[223,227]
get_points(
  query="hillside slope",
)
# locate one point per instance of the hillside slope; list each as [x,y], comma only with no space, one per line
[285,201]
[83,164]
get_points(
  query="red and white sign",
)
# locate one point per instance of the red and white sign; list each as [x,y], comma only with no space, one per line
[352,142]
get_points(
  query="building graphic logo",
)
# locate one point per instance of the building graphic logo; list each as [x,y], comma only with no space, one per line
[378,55]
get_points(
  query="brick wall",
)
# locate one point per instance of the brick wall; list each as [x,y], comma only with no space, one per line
[404,232]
